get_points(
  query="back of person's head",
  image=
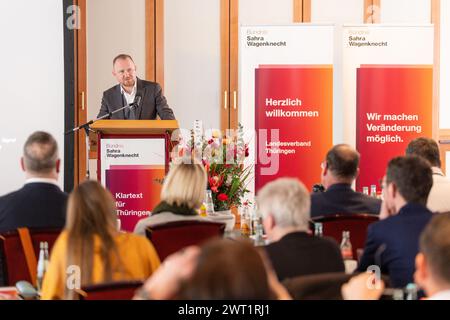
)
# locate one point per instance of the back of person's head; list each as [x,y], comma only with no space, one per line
[229,270]
[412,176]
[91,212]
[185,185]
[287,200]
[91,209]
[426,148]
[343,161]
[435,246]
[40,153]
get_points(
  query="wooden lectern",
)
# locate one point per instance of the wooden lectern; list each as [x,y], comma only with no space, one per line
[132,160]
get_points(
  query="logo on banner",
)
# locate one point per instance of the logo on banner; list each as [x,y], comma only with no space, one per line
[117,151]
[258,38]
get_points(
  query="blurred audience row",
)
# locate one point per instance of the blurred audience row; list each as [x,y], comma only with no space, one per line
[410,242]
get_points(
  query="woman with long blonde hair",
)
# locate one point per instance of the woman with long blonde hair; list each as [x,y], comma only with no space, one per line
[92,249]
[182,194]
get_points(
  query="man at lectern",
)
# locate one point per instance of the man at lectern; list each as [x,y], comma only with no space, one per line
[152,102]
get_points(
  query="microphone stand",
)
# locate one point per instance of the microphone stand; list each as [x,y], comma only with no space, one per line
[86,127]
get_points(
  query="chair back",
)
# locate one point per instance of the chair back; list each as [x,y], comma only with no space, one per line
[123,290]
[324,286]
[13,262]
[356,223]
[171,237]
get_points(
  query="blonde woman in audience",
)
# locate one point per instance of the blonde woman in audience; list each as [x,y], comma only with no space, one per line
[92,249]
[182,194]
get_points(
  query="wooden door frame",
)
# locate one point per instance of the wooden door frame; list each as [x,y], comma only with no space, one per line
[225,54]
[80,94]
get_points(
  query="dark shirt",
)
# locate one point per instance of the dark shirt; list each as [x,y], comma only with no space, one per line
[153,102]
[299,253]
[35,205]
[341,198]
[393,243]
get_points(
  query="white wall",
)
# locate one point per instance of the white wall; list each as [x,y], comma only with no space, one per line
[405,11]
[192,61]
[338,12]
[32,81]
[113,27]
[261,12]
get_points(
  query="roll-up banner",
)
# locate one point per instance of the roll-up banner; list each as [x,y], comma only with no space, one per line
[286,98]
[388,92]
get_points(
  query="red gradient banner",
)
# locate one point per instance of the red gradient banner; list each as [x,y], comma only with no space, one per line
[298,102]
[394,106]
[136,191]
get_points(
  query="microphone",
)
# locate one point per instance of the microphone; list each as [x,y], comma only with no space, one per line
[137,100]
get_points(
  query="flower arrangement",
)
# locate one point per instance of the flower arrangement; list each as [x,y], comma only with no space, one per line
[223,158]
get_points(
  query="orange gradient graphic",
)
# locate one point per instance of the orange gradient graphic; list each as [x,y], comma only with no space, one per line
[391,95]
[144,184]
[306,119]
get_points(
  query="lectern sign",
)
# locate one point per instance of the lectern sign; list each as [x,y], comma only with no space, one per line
[133,170]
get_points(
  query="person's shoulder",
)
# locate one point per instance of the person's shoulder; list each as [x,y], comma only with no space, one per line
[9,196]
[325,241]
[151,84]
[61,241]
[317,196]
[368,199]
[128,238]
[111,90]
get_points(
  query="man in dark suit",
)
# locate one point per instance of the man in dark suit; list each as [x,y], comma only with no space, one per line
[339,170]
[40,202]
[153,102]
[392,243]
[433,261]
[284,205]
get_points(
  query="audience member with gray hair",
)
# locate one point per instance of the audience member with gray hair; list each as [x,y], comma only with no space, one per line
[438,199]
[285,208]
[40,202]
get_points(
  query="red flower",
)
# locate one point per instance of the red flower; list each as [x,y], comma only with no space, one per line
[222,197]
[210,141]
[215,182]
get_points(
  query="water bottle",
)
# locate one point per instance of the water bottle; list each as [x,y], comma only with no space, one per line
[411,291]
[46,257]
[259,234]
[209,203]
[346,246]
[245,222]
[40,266]
[318,229]
[366,191]
[373,191]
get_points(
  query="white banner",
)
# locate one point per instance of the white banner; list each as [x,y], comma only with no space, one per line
[388,92]
[131,152]
[379,45]
[276,66]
